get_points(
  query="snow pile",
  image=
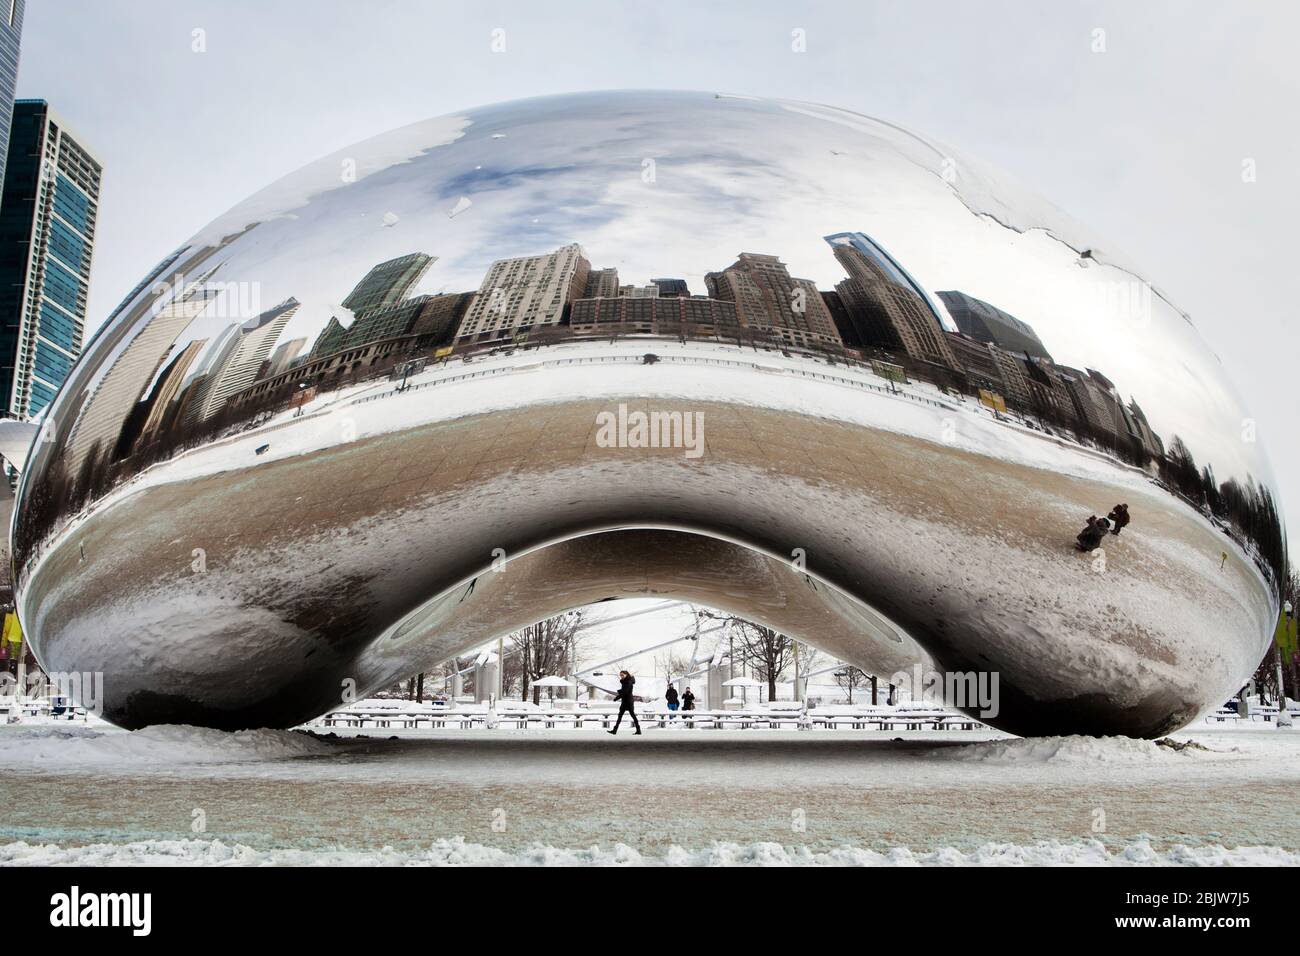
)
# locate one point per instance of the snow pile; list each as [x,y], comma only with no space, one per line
[1058,750]
[165,744]
[459,853]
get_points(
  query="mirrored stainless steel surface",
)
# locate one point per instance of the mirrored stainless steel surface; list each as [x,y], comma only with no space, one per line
[772,357]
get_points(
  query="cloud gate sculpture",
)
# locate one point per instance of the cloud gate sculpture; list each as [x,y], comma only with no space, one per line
[773,357]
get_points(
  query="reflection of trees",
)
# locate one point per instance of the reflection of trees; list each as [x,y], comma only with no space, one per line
[1285,649]
[1248,509]
[47,502]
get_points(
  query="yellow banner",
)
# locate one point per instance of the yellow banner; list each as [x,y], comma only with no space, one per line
[993,400]
[1286,635]
[13,632]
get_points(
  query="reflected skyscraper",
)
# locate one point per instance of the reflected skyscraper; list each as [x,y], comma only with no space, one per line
[331,338]
[987,323]
[1089,405]
[977,360]
[392,321]
[1151,442]
[99,426]
[388,283]
[1016,386]
[639,291]
[696,317]
[524,293]
[672,288]
[768,299]
[47,233]
[381,311]
[236,367]
[221,345]
[283,357]
[376,303]
[162,404]
[601,284]
[891,307]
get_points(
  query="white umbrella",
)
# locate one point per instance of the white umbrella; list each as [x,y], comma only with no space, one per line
[552,681]
[742,683]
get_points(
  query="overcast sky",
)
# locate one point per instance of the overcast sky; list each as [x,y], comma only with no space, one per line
[1144,142]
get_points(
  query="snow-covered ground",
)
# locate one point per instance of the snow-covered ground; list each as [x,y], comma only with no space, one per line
[176,795]
[458,852]
[80,748]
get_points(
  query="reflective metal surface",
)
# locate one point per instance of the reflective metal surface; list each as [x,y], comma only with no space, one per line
[429,390]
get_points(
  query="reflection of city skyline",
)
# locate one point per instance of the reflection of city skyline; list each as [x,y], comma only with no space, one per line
[878,308]
[146,408]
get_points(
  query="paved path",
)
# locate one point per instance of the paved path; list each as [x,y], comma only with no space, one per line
[577,789]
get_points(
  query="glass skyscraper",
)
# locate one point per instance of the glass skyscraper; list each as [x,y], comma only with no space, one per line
[47,233]
[11,32]
[388,283]
[988,323]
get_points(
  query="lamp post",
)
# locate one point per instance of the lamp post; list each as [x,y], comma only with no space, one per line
[501,668]
[407,367]
[797,694]
[1283,715]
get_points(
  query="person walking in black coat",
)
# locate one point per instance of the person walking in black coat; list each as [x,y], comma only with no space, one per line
[625,701]
[688,700]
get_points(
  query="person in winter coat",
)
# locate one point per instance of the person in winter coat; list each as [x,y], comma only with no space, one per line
[671,697]
[688,700]
[1090,537]
[1118,518]
[1083,539]
[625,701]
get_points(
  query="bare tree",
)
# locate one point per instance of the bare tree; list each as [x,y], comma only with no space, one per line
[848,677]
[767,651]
[547,647]
[806,659]
[672,664]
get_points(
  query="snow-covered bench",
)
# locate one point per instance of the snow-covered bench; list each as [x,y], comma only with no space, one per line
[1223,714]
